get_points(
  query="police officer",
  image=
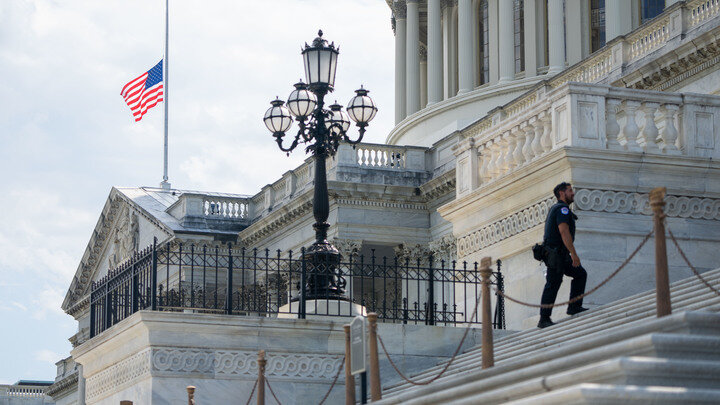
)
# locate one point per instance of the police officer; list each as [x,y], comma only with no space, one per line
[561,257]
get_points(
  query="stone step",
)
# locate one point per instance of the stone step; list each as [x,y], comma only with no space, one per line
[673,336]
[639,371]
[607,394]
[688,294]
[680,292]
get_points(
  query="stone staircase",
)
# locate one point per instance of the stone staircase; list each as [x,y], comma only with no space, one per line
[616,353]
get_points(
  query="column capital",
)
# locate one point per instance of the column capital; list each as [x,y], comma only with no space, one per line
[448,3]
[400,9]
[423,53]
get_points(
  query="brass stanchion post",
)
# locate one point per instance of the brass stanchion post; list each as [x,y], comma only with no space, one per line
[191,395]
[375,393]
[487,334]
[261,378]
[349,378]
[662,279]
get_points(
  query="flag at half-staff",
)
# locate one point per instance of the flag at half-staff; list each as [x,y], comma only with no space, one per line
[145,91]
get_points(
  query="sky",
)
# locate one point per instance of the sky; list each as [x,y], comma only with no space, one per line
[67,137]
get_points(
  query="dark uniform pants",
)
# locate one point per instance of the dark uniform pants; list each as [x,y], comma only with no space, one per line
[552,285]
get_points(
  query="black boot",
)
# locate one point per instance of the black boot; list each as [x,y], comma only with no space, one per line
[575,311]
[545,322]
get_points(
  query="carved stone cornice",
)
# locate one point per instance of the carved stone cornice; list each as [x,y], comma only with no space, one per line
[62,387]
[664,74]
[276,220]
[439,186]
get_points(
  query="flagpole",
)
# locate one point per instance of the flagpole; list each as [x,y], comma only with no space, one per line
[164,184]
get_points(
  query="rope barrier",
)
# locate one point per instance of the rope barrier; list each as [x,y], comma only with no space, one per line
[272,392]
[694,270]
[251,393]
[327,394]
[581,296]
[447,365]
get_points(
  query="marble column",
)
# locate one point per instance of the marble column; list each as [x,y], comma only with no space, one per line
[477,45]
[556,37]
[507,40]
[449,49]
[465,46]
[412,57]
[574,31]
[618,18]
[434,52]
[493,40]
[423,77]
[530,19]
[400,66]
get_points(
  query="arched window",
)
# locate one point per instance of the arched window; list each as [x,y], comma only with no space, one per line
[597,24]
[519,35]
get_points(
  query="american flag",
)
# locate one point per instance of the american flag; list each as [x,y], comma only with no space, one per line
[144,92]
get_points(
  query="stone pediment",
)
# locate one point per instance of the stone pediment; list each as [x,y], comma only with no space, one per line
[114,239]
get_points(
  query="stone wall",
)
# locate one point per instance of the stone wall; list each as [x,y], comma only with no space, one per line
[151,357]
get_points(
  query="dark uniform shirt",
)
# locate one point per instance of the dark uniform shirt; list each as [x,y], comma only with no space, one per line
[559,213]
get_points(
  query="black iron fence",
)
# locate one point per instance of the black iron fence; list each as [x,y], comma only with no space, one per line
[239,281]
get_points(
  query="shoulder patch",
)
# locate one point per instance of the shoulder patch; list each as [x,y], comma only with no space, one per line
[564,210]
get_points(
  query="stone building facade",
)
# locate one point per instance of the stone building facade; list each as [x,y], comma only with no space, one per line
[496,102]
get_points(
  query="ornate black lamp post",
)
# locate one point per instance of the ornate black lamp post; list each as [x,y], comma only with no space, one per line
[322,130]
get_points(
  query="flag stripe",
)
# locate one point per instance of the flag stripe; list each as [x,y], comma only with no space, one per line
[145,91]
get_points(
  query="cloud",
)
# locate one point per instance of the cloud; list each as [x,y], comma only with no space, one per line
[47,356]
[67,137]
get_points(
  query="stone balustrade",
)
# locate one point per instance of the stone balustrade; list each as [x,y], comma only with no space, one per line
[703,10]
[587,116]
[384,156]
[22,391]
[608,63]
[226,207]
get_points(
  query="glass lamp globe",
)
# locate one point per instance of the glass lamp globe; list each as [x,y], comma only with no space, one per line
[361,108]
[338,116]
[301,102]
[277,118]
[320,61]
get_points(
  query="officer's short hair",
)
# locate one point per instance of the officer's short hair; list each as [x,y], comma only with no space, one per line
[560,187]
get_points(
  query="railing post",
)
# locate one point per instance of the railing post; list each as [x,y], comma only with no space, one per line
[93,308]
[191,395]
[261,378]
[487,334]
[134,288]
[153,277]
[228,298]
[349,378]
[662,280]
[499,322]
[303,281]
[108,310]
[375,392]
[430,315]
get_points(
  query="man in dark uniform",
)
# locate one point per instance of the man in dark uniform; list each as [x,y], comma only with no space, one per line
[561,257]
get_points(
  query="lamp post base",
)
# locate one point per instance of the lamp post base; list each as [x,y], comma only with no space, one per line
[324,279]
